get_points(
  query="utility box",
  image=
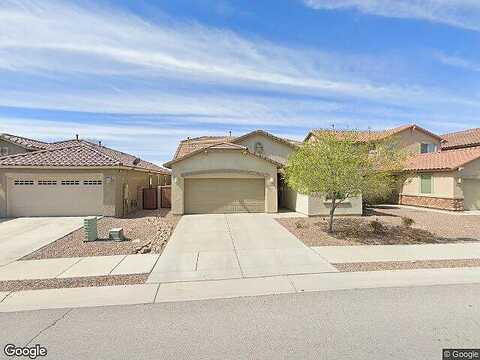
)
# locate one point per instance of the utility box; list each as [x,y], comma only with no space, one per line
[116,234]
[90,227]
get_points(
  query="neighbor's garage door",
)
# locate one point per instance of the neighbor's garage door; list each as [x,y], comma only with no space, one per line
[217,196]
[59,195]
[471,194]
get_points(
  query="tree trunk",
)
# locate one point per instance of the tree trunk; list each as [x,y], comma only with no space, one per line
[332,211]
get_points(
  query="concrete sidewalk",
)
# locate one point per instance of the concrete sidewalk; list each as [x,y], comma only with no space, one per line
[78,267]
[374,253]
[201,290]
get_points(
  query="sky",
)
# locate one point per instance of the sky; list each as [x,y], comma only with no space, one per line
[141,75]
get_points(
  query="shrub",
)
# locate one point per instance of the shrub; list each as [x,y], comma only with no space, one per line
[377,226]
[407,222]
[300,224]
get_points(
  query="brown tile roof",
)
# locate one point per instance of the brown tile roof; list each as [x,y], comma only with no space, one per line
[443,160]
[466,138]
[371,135]
[223,146]
[24,142]
[190,145]
[79,153]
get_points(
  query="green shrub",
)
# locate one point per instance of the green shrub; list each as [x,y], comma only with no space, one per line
[377,227]
[407,222]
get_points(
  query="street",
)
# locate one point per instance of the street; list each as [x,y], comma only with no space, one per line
[382,323]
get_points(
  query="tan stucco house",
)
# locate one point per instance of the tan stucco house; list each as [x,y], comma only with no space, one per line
[225,174]
[73,177]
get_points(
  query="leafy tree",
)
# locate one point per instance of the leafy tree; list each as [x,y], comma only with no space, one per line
[339,166]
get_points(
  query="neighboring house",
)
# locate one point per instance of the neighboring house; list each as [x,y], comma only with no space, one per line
[73,177]
[225,174]
[448,179]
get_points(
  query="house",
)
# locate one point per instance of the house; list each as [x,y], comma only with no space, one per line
[226,174]
[444,169]
[449,178]
[71,178]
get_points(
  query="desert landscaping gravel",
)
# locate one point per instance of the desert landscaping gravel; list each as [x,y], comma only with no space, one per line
[17,285]
[146,231]
[406,265]
[428,228]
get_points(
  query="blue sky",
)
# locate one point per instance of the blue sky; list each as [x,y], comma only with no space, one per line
[141,75]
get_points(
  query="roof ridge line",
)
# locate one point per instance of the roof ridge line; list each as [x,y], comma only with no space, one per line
[41,151]
[92,147]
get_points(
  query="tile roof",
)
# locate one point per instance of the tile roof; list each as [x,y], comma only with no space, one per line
[24,142]
[369,135]
[193,144]
[443,160]
[466,138]
[78,153]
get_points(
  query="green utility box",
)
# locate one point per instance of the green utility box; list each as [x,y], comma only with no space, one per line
[90,226]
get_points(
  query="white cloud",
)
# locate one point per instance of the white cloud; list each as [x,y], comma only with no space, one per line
[458,62]
[458,13]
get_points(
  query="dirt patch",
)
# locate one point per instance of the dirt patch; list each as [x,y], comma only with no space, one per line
[17,285]
[145,229]
[406,265]
[376,229]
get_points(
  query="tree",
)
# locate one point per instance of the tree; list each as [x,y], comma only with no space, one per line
[339,166]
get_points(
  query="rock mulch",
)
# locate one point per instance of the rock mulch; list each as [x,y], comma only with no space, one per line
[146,231]
[18,285]
[406,265]
[378,228]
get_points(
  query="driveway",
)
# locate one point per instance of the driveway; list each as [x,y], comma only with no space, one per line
[21,236]
[226,246]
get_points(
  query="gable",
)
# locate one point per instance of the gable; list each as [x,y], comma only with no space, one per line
[273,149]
[12,148]
[411,139]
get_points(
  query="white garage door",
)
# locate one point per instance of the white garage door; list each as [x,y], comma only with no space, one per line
[471,194]
[59,195]
[218,196]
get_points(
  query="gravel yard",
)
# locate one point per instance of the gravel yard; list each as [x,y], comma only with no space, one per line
[406,265]
[18,285]
[146,231]
[428,228]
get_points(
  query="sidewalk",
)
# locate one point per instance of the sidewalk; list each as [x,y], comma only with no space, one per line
[78,267]
[374,253]
[201,290]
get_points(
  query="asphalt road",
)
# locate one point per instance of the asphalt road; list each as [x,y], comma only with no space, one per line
[395,323]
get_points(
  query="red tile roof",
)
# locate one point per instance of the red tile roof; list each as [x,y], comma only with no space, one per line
[466,138]
[371,135]
[78,153]
[443,160]
[24,142]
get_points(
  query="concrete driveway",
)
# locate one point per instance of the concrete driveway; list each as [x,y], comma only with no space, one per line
[227,246]
[21,236]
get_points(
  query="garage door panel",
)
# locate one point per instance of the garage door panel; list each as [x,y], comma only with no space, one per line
[471,193]
[60,195]
[224,195]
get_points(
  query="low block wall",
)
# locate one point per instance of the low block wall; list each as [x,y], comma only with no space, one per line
[432,202]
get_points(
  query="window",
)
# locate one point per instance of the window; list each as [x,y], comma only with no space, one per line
[47,182]
[426,184]
[428,148]
[258,148]
[3,151]
[92,182]
[23,182]
[70,182]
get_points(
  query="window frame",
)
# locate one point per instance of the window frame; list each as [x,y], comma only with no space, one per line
[433,146]
[422,178]
[4,151]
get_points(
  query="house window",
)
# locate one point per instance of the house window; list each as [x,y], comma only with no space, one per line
[47,182]
[23,182]
[3,151]
[92,182]
[70,182]
[426,184]
[428,148]
[259,148]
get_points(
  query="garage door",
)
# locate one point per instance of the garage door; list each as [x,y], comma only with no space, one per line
[217,196]
[59,195]
[471,193]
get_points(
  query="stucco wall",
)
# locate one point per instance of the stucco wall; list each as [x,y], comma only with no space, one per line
[411,140]
[317,205]
[271,148]
[443,185]
[223,163]
[12,148]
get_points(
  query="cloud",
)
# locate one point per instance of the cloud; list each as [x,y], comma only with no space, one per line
[458,62]
[458,13]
